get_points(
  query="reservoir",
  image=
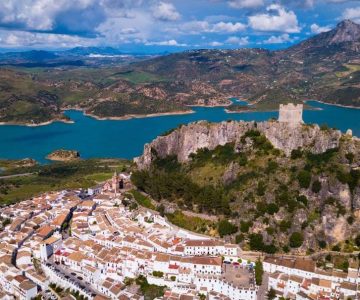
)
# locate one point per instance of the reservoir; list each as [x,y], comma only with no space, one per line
[126,138]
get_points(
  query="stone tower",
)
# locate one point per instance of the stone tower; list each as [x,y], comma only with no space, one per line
[115,182]
[291,114]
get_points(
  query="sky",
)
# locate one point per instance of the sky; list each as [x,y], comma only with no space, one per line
[167,25]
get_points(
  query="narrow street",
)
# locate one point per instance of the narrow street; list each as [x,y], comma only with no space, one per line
[263,288]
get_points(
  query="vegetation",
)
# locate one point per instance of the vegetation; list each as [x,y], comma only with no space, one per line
[56,176]
[150,291]
[259,271]
[226,228]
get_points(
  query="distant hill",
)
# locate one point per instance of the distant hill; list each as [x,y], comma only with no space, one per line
[108,84]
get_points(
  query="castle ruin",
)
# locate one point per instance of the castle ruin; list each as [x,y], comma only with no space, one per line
[291,114]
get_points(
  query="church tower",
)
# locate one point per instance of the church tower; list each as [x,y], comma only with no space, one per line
[115,182]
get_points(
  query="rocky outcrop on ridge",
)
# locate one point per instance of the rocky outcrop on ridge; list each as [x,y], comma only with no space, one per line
[188,139]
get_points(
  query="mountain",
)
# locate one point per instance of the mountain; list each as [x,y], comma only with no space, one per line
[271,180]
[325,67]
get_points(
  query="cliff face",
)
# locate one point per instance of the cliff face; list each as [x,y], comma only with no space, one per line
[188,139]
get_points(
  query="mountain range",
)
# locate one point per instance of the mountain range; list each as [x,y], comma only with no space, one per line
[37,85]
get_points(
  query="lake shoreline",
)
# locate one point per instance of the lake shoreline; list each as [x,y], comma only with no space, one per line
[37,124]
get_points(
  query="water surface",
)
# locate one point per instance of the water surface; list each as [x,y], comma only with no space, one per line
[126,138]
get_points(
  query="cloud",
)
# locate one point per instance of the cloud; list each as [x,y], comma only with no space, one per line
[165,12]
[284,38]
[245,3]
[234,40]
[352,13]
[30,39]
[277,18]
[216,44]
[228,27]
[165,43]
[315,28]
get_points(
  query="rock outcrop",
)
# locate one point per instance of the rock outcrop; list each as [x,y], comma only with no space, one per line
[188,139]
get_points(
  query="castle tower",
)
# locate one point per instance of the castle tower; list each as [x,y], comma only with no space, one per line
[115,182]
[291,114]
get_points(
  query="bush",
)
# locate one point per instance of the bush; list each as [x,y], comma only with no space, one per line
[284,225]
[296,239]
[336,248]
[261,188]
[226,228]
[322,244]
[272,208]
[239,238]
[302,199]
[304,178]
[296,153]
[256,242]
[245,226]
[357,240]
[316,186]
[158,274]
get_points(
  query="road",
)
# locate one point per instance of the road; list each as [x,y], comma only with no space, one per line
[67,273]
[16,175]
[263,288]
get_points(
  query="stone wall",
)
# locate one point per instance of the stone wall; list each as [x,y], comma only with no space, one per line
[291,113]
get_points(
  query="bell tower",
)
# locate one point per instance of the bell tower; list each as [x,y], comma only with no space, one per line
[115,182]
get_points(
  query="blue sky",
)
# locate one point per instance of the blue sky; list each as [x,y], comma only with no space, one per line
[167,25]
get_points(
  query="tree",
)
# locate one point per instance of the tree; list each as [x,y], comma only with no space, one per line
[316,186]
[296,239]
[271,294]
[256,242]
[272,208]
[259,271]
[357,240]
[226,228]
[304,178]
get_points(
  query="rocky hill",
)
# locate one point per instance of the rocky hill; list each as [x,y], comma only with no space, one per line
[283,188]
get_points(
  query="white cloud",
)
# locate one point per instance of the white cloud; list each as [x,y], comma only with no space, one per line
[228,27]
[30,39]
[284,38]
[234,40]
[165,12]
[352,13]
[246,3]
[166,43]
[315,28]
[215,44]
[277,18]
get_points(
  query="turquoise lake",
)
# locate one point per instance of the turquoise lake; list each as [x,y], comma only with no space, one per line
[126,138]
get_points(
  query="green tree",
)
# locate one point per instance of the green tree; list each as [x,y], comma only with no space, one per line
[271,294]
[316,186]
[259,271]
[304,178]
[296,239]
[226,228]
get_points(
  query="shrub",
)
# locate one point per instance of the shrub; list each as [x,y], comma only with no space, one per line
[296,153]
[304,178]
[239,238]
[272,208]
[357,240]
[350,157]
[284,225]
[296,239]
[316,186]
[226,228]
[302,199]
[322,244]
[245,226]
[158,274]
[261,188]
[336,248]
[256,241]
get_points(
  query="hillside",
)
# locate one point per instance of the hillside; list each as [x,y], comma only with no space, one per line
[282,188]
[37,85]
